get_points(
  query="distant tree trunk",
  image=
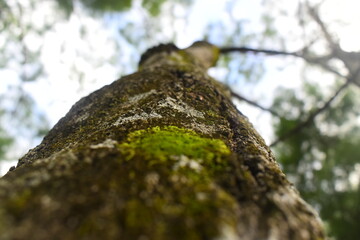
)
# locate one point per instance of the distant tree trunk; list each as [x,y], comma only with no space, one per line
[159,154]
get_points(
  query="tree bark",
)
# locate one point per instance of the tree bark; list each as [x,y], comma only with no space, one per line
[159,154]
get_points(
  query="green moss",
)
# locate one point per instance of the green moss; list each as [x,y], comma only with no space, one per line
[160,143]
[211,113]
[216,52]
[184,57]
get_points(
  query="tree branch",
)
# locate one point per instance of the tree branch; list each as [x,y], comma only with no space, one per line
[300,54]
[323,62]
[350,59]
[254,50]
[312,116]
[253,103]
[330,39]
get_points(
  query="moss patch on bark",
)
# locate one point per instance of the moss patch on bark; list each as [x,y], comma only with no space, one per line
[160,143]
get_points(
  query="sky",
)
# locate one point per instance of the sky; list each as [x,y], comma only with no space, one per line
[68,49]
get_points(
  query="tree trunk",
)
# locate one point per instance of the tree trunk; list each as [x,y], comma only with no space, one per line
[159,154]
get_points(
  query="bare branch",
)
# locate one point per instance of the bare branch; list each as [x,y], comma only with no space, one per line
[321,61]
[330,39]
[312,115]
[238,96]
[254,50]
[350,59]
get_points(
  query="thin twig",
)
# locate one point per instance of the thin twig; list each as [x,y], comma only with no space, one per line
[330,39]
[236,95]
[312,116]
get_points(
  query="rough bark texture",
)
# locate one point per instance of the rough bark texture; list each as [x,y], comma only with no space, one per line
[159,154]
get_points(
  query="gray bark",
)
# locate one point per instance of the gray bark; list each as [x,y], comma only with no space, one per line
[159,154]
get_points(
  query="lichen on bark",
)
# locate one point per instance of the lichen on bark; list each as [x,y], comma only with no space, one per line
[159,154]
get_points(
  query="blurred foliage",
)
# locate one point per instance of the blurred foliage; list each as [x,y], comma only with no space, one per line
[17,31]
[20,119]
[96,5]
[20,49]
[104,6]
[5,140]
[323,158]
